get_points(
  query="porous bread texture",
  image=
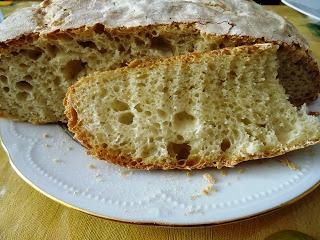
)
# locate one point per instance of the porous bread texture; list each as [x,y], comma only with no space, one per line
[43,50]
[189,112]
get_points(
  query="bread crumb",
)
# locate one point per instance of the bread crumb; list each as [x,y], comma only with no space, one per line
[223,172]
[286,162]
[125,173]
[314,113]
[189,173]
[99,177]
[209,178]
[190,211]
[45,135]
[194,197]
[92,166]
[208,189]
[57,160]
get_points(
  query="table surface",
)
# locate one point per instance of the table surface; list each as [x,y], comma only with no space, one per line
[27,214]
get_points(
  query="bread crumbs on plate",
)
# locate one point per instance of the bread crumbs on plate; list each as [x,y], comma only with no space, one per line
[286,162]
[209,178]
[194,197]
[45,135]
[125,173]
[208,189]
[57,161]
[92,166]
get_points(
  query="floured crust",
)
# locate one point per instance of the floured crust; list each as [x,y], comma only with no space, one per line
[229,17]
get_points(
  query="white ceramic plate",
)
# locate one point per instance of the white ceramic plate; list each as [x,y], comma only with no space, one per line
[52,162]
[310,8]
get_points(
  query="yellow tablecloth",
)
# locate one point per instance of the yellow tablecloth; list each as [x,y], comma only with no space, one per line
[27,214]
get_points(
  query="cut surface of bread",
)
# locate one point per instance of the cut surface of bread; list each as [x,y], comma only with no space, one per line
[189,112]
[46,49]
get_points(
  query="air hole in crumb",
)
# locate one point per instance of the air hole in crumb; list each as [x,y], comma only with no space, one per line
[3,79]
[148,113]
[72,69]
[178,151]
[23,65]
[24,86]
[180,138]
[183,121]
[126,118]
[6,89]
[162,114]
[116,88]
[52,50]
[121,48]
[141,84]
[32,53]
[102,50]
[87,44]
[56,81]
[139,42]
[119,106]
[225,144]
[27,77]
[104,145]
[138,108]
[21,96]
[162,44]
[98,28]
[232,74]
[246,121]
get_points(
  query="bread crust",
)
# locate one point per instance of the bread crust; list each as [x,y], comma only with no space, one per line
[103,152]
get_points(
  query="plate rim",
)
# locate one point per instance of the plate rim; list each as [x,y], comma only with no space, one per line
[162,224]
[289,4]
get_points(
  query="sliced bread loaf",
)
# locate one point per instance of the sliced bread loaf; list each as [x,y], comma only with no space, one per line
[189,112]
[45,49]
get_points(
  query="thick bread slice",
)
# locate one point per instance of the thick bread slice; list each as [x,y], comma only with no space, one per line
[45,49]
[189,112]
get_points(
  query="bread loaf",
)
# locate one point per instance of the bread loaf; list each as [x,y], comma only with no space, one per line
[45,49]
[189,112]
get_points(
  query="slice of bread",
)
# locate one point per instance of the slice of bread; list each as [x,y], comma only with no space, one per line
[189,112]
[45,49]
